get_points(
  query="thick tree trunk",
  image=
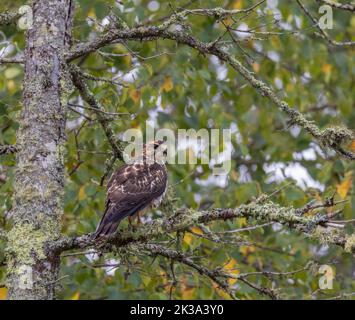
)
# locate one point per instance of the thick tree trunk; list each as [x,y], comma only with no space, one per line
[39,176]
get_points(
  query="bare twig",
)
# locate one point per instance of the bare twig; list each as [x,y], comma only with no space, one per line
[9,17]
[332,137]
[322,33]
[7,149]
[90,99]
[337,5]
[214,275]
[314,226]
[16,59]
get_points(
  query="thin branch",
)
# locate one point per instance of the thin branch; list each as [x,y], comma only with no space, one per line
[8,149]
[9,17]
[101,79]
[79,113]
[90,99]
[136,55]
[220,13]
[345,221]
[108,167]
[332,137]
[342,296]
[112,34]
[118,114]
[263,290]
[247,228]
[16,59]
[322,33]
[259,210]
[214,275]
[337,5]
[274,273]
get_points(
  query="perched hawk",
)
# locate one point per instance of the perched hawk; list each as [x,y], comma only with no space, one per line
[135,187]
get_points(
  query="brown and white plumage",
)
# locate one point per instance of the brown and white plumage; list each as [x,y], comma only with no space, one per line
[132,189]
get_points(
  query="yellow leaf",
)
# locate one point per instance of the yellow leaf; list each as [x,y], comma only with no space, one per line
[196,230]
[168,84]
[3,293]
[327,68]
[228,21]
[344,187]
[92,13]
[256,67]
[245,250]
[127,60]
[75,296]
[237,4]
[243,222]
[187,238]
[81,193]
[234,175]
[163,277]
[119,48]
[251,260]
[10,85]
[230,267]
[224,295]
[352,145]
[163,61]
[188,293]
[134,94]
[149,68]
[108,279]
[146,280]
[11,73]
[289,87]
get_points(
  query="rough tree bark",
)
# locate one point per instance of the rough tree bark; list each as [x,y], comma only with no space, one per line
[39,177]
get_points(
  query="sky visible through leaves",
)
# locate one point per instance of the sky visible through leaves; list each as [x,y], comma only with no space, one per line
[175,87]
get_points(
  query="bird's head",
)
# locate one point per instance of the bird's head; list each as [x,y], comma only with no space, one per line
[155,151]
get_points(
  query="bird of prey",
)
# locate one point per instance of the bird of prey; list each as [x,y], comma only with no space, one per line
[134,188]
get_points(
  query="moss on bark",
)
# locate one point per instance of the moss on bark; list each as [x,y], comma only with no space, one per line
[32,269]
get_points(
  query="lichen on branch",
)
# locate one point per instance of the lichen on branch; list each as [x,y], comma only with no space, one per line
[260,210]
[331,137]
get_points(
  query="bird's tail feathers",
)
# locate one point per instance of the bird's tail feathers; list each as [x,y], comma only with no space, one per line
[105,229]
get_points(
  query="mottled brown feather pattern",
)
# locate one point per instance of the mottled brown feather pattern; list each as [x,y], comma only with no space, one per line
[131,189]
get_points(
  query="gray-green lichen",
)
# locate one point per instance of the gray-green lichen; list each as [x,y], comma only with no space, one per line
[26,241]
[336,136]
[350,244]
[39,175]
[325,235]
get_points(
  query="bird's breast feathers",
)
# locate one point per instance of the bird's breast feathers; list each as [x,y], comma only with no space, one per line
[131,189]
[147,180]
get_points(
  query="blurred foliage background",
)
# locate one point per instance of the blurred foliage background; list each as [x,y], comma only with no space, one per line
[175,87]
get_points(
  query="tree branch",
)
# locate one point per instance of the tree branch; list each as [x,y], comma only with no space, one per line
[215,275]
[89,98]
[322,33]
[220,13]
[337,5]
[7,149]
[140,32]
[332,137]
[261,210]
[8,17]
[16,59]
